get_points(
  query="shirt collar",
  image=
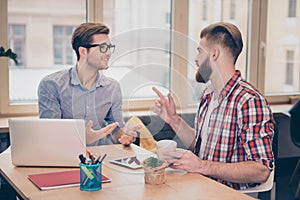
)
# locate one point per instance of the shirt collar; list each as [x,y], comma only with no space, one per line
[76,81]
[208,89]
[230,85]
[227,89]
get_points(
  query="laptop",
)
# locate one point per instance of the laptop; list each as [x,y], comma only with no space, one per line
[47,142]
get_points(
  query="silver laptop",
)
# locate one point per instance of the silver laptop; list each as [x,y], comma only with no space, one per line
[46,142]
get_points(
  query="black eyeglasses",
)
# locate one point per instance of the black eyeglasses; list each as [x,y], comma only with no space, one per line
[103,47]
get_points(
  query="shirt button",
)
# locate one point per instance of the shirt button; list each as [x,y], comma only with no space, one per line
[271,165]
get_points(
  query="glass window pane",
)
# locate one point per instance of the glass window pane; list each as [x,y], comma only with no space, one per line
[17,38]
[31,36]
[201,14]
[292,8]
[62,45]
[58,30]
[282,49]
[141,58]
[18,30]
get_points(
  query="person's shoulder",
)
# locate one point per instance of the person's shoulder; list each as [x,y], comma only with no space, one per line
[108,80]
[57,76]
[250,92]
[249,88]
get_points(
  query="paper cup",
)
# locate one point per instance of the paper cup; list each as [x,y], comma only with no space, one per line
[164,146]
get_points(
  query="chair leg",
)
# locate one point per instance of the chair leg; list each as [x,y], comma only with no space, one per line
[295,172]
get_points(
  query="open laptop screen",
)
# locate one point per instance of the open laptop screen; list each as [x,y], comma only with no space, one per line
[47,142]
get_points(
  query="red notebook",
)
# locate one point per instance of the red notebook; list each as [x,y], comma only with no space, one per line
[52,180]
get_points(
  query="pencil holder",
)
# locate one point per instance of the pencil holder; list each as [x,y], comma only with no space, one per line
[90,177]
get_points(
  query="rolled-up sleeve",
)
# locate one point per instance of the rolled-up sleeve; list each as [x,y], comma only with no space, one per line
[257,131]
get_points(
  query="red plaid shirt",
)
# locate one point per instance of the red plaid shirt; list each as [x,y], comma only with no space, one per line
[241,128]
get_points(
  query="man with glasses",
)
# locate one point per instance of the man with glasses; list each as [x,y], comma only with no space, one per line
[234,126]
[83,92]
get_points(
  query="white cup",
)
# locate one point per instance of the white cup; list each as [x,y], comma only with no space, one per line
[164,146]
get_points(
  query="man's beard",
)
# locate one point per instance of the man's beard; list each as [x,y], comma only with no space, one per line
[203,72]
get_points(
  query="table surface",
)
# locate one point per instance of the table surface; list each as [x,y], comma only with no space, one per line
[126,183]
[4,125]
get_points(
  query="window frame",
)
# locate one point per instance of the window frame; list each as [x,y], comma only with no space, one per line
[256,49]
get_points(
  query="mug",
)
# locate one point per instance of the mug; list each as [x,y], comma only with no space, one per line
[164,146]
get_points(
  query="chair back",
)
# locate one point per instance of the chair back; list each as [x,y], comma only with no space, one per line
[263,187]
[295,123]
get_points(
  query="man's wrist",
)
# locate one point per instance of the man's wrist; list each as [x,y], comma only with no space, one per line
[175,122]
[204,167]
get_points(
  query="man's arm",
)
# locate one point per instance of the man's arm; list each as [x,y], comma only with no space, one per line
[184,131]
[239,172]
[166,109]
[95,135]
[49,107]
[255,134]
[121,135]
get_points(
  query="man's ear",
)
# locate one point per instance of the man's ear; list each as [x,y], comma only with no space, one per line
[215,54]
[82,51]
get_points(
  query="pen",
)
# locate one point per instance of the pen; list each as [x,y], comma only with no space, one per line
[91,156]
[82,159]
[102,158]
[97,160]
[89,174]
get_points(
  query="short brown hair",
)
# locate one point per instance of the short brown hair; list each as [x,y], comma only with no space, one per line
[83,35]
[225,34]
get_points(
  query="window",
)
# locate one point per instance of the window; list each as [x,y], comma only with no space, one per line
[289,67]
[292,8]
[142,56]
[152,48]
[281,52]
[17,38]
[42,41]
[63,52]
[195,26]
[29,31]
